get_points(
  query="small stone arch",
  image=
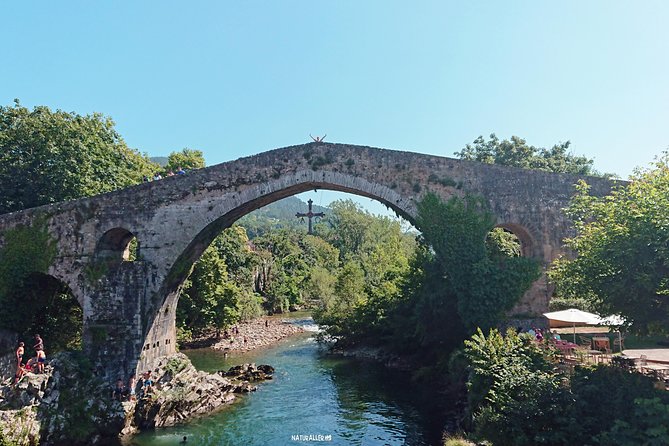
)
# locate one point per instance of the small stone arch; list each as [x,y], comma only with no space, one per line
[54,302]
[527,242]
[116,246]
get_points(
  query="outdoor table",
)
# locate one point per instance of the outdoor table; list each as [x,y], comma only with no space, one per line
[565,347]
[596,354]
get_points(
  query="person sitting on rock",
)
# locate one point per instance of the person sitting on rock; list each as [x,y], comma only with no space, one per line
[119,390]
[20,372]
[31,365]
[148,384]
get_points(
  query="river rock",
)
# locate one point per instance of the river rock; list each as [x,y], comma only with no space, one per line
[69,405]
[66,405]
[182,392]
[249,372]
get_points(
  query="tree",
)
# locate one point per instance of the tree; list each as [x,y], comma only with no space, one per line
[622,250]
[49,156]
[375,256]
[517,153]
[502,243]
[186,159]
[209,298]
[234,247]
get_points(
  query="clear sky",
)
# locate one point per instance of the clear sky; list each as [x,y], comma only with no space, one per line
[237,78]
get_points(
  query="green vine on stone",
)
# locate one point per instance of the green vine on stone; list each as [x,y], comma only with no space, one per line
[26,249]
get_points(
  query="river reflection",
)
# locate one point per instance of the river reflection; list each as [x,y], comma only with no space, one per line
[313,399]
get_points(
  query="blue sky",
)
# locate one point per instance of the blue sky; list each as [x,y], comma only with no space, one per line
[237,78]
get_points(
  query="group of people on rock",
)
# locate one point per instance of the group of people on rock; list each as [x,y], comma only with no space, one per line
[143,388]
[170,173]
[34,364]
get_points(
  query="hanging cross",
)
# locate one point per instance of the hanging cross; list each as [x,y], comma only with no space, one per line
[310,215]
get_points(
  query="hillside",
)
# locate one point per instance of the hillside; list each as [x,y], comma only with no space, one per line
[280,214]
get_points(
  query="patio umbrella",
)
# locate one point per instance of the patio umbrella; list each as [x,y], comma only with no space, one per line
[574,316]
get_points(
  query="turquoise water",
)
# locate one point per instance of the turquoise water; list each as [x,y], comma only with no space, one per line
[313,399]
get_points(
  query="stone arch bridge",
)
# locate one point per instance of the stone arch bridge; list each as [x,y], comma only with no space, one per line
[129,306]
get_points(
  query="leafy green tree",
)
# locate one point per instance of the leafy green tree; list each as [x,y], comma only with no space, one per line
[376,247]
[517,153]
[187,159]
[319,286]
[501,243]
[646,425]
[622,250]
[49,156]
[338,309]
[209,299]
[284,270]
[234,247]
[345,227]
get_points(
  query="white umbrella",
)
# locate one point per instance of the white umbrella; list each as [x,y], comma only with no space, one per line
[612,321]
[574,316]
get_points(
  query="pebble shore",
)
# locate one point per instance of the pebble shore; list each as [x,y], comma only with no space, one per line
[256,334]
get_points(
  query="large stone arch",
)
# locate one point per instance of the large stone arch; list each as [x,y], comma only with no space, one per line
[161,336]
[175,219]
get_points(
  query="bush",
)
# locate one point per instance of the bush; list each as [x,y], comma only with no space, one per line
[648,425]
[457,441]
[517,397]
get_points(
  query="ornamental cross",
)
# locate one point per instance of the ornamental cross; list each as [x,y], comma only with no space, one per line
[310,215]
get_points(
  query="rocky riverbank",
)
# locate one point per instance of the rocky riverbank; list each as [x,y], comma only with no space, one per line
[257,333]
[68,405]
[376,354]
[181,392]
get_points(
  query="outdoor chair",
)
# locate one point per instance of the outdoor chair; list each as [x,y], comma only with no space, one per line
[585,342]
[602,343]
[618,344]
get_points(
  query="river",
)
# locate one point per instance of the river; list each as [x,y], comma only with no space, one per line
[314,398]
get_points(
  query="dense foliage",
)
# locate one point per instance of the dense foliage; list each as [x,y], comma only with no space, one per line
[451,283]
[518,396]
[517,153]
[374,253]
[622,250]
[187,159]
[484,286]
[49,156]
[219,291]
